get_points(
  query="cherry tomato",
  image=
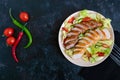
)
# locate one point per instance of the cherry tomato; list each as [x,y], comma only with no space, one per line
[64,29]
[71,20]
[8,32]
[24,16]
[100,54]
[86,19]
[10,41]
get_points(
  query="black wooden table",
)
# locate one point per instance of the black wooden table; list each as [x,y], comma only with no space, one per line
[44,60]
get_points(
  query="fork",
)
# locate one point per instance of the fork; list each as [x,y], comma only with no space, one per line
[115,55]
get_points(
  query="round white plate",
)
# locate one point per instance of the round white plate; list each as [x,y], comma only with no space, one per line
[81,62]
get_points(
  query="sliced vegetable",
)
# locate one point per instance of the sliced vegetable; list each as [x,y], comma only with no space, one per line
[10,41]
[107,22]
[24,16]
[71,20]
[15,45]
[100,54]
[93,49]
[69,52]
[19,25]
[83,13]
[85,58]
[90,50]
[8,32]
[64,29]
[92,16]
[64,34]
[86,19]
[92,60]
[69,26]
[108,42]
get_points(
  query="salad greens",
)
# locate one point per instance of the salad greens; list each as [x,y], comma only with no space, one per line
[95,48]
[69,52]
[64,34]
[106,21]
[69,26]
[82,14]
[108,42]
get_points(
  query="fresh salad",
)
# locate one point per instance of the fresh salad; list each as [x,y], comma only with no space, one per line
[87,35]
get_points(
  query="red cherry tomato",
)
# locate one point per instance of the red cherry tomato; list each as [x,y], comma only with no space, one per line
[86,19]
[10,41]
[71,20]
[8,32]
[24,16]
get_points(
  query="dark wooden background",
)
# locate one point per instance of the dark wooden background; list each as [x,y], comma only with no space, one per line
[44,60]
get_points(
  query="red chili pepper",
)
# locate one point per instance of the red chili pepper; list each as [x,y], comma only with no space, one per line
[71,20]
[65,29]
[100,54]
[15,45]
[86,19]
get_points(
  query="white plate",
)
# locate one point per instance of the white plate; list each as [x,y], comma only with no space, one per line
[81,62]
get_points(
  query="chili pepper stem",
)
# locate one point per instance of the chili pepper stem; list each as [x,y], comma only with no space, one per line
[23,27]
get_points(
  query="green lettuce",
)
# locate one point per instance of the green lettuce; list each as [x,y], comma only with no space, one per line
[93,49]
[106,23]
[108,42]
[82,14]
[69,52]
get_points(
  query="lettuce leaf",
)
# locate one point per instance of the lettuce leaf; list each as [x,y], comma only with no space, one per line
[92,60]
[82,14]
[93,49]
[64,34]
[106,23]
[69,52]
[108,42]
